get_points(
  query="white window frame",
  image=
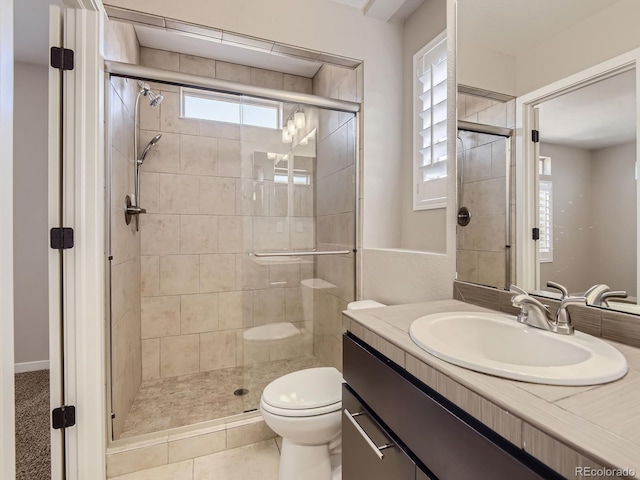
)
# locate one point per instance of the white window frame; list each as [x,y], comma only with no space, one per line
[545,242]
[430,193]
[233,99]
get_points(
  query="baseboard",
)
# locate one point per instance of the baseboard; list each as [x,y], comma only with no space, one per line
[31,366]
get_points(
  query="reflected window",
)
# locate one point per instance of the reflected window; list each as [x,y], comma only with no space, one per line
[545,209]
[220,107]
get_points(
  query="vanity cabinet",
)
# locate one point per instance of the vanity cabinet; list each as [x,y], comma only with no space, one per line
[432,438]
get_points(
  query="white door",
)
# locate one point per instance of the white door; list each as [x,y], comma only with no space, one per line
[7,401]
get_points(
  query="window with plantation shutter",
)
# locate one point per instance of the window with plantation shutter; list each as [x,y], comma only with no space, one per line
[430,125]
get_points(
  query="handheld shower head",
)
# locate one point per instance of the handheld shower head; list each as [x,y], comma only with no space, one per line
[151,143]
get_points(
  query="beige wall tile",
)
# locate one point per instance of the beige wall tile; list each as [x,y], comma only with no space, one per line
[178,193]
[295,307]
[179,355]
[121,178]
[267,78]
[248,434]
[170,120]
[252,461]
[197,446]
[149,192]
[179,274]
[125,243]
[150,276]
[125,288]
[284,275]
[209,128]
[198,155]
[230,234]
[164,156]
[217,350]
[233,72]
[149,116]
[199,313]
[138,459]
[199,234]
[270,233]
[235,310]
[160,316]
[295,83]
[151,57]
[217,273]
[217,196]
[150,359]
[268,306]
[255,275]
[303,233]
[229,161]
[159,234]
[205,67]
[492,269]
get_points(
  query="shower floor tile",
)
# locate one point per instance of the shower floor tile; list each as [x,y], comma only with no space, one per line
[188,399]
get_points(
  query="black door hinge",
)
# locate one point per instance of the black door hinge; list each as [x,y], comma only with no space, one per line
[535,136]
[61,238]
[535,233]
[62,58]
[63,417]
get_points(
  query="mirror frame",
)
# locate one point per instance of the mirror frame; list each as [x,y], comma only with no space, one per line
[527,265]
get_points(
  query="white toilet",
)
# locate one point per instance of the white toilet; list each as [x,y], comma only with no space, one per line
[305,409]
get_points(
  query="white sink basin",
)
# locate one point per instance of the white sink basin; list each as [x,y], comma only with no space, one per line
[495,343]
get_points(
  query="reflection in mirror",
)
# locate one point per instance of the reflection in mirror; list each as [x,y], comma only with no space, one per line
[517,47]
[587,189]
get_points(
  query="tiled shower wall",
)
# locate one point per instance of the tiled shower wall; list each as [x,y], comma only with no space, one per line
[481,256]
[335,210]
[126,364]
[211,200]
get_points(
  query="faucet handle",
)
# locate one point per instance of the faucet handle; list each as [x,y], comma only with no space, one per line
[557,286]
[514,288]
[563,319]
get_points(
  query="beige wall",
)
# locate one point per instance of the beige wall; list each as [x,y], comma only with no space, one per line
[573,180]
[31,274]
[211,200]
[126,363]
[614,242]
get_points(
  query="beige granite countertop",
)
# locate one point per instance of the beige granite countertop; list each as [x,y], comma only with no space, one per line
[600,422]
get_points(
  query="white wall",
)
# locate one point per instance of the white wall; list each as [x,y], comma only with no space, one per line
[31,295]
[487,69]
[7,405]
[334,28]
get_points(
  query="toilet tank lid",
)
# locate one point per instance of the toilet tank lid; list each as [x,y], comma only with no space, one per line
[305,389]
[364,304]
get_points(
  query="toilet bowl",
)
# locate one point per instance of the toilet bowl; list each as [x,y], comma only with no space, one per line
[305,409]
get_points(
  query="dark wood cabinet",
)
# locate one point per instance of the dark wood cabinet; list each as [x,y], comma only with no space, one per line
[440,439]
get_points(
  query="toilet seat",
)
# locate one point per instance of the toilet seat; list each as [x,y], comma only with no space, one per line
[304,393]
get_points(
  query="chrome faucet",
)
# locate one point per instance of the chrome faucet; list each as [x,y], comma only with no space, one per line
[536,314]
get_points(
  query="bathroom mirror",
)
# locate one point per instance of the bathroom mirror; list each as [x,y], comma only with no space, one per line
[509,49]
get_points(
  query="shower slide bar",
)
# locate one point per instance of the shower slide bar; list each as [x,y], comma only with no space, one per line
[149,74]
[301,254]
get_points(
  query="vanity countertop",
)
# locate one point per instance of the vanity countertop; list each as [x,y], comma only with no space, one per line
[599,423]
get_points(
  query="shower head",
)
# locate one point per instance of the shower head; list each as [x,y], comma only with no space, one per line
[145,90]
[153,141]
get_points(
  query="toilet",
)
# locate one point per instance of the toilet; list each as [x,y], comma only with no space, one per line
[305,409]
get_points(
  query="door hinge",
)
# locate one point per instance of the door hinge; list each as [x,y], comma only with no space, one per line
[535,233]
[63,417]
[62,58]
[535,136]
[61,238]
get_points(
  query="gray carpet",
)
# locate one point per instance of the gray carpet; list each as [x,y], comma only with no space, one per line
[33,449]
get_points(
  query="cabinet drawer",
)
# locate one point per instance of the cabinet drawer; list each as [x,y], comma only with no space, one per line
[362,437]
[448,441]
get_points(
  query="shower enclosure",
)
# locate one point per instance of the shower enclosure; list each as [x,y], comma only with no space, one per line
[244,258]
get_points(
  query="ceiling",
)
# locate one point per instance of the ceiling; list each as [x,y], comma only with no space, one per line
[525,23]
[385,10]
[31,30]
[597,116]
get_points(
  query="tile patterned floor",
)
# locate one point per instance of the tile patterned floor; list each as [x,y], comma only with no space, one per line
[258,460]
[185,400]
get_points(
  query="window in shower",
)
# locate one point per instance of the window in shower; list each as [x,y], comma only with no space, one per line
[220,107]
[430,125]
